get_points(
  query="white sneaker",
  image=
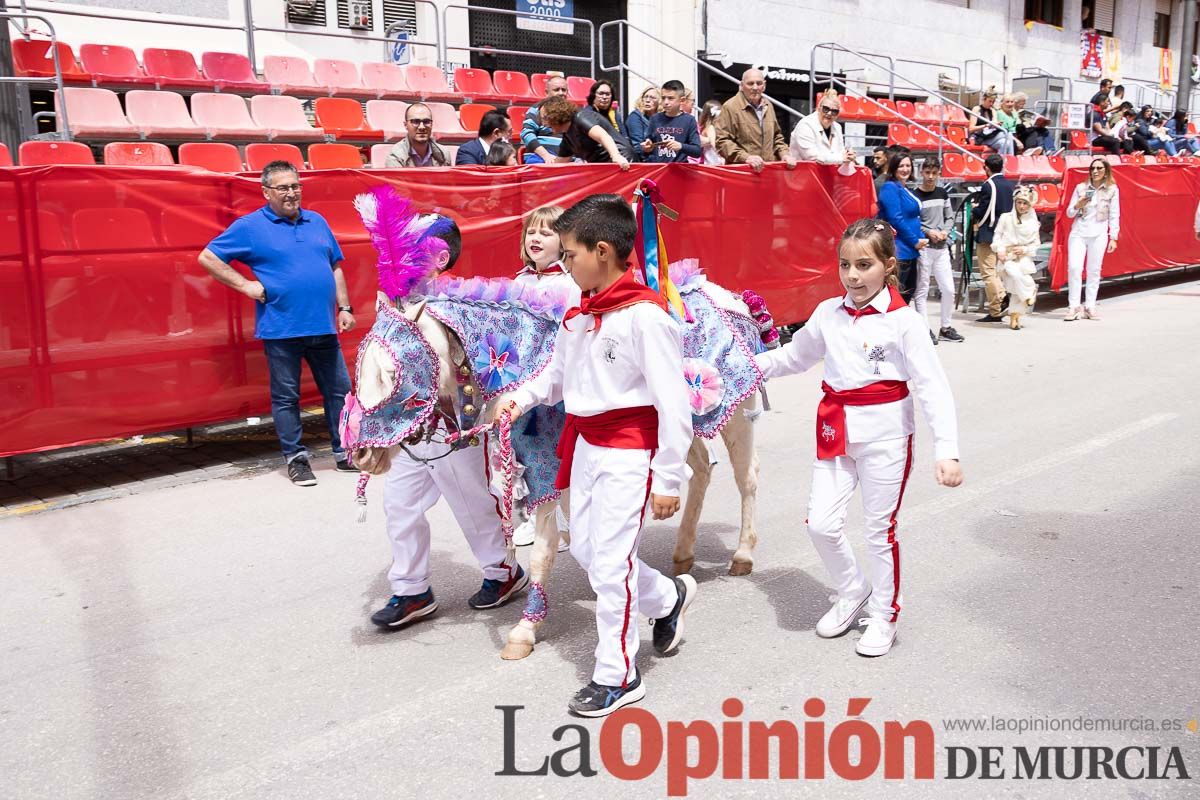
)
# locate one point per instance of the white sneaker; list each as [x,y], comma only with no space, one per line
[877,638]
[523,535]
[840,618]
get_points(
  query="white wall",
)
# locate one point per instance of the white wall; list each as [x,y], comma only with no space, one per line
[675,22]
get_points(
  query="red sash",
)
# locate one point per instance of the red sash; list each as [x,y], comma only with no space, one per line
[831,413]
[625,291]
[622,428]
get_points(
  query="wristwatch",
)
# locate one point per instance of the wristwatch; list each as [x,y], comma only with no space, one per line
[347,309]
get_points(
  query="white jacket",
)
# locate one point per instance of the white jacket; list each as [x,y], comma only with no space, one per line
[1102,215]
[810,143]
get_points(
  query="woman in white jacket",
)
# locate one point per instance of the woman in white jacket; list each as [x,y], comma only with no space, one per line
[1096,208]
[1018,235]
[818,137]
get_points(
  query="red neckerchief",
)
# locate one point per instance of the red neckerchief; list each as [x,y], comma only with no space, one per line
[895,302]
[554,269]
[625,291]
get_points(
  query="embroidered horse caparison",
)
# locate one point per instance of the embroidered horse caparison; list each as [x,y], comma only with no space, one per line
[503,334]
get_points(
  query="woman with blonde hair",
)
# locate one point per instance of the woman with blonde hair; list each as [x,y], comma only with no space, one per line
[637,124]
[1018,235]
[985,127]
[1096,208]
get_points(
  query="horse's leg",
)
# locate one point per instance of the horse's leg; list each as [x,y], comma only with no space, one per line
[738,434]
[685,540]
[541,560]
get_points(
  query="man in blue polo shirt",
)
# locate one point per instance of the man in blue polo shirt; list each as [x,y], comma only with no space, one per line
[299,287]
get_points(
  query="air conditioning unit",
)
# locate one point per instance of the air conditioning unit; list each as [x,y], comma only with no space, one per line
[360,15]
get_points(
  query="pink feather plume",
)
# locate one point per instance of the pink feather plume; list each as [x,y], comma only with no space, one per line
[407,253]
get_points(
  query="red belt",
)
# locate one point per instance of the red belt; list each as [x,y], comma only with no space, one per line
[623,428]
[831,413]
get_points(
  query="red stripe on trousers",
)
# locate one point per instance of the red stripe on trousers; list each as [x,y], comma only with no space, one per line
[892,532]
[629,571]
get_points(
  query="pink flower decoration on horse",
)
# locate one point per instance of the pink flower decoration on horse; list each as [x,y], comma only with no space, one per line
[706,387]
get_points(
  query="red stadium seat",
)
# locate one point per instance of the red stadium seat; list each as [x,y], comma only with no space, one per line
[476,85]
[899,133]
[231,71]
[954,165]
[1076,161]
[387,81]
[225,116]
[537,83]
[446,124]
[888,110]
[906,109]
[340,78]
[37,154]
[5,156]
[1080,141]
[578,88]
[1049,195]
[1133,158]
[388,116]
[113,64]
[258,155]
[471,114]
[430,83]
[137,154]
[283,118]
[291,75]
[516,115]
[334,156]
[514,85]
[1057,165]
[851,107]
[342,118]
[107,228]
[33,59]
[379,154]
[1012,167]
[926,113]
[173,69]
[94,114]
[975,169]
[958,135]
[212,156]
[161,114]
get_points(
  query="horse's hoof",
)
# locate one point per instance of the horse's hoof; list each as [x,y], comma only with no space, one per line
[515,651]
[740,569]
[684,566]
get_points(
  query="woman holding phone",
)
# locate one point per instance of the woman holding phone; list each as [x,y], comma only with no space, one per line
[1096,208]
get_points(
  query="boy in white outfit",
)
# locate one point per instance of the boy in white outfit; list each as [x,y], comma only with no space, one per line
[618,368]
[937,221]
[413,487]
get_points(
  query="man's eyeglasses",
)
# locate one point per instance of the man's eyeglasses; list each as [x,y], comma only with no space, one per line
[421,123]
[829,111]
[286,188]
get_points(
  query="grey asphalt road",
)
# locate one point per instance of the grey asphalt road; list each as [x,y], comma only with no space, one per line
[212,640]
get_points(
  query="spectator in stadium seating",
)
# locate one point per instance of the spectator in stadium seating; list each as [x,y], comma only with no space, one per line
[1118,94]
[984,127]
[417,148]
[879,160]
[1115,113]
[1033,129]
[300,305]
[673,136]
[892,149]
[1102,136]
[600,99]
[585,134]
[1006,118]
[901,209]
[708,133]
[688,103]
[818,137]
[992,200]
[1145,138]
[638,121]
[541,143]
[747,131]
[1177,127]
[1101,97]
[1123,131]
[493,127]
[502,154]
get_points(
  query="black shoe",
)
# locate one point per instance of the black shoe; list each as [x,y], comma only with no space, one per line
[990,318]
[669,630]
[933,337]
[301,473]
[496,593]
[403,609]
[951,334]
[595,700]
[1004,304]
[346,465]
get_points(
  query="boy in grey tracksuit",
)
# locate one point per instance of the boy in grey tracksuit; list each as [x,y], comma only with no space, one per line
[937,220]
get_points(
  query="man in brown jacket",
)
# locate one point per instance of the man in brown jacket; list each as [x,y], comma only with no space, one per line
[747,131]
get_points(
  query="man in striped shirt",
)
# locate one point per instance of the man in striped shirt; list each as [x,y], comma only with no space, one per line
[541,142]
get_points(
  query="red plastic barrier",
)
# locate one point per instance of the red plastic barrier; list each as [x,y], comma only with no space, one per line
[109,327]
[1158,206]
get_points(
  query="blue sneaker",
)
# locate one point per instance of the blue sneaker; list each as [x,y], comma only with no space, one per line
[402,609]
[495,593]
[595,700]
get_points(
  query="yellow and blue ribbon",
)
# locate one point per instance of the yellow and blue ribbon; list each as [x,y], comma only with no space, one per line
[653,247]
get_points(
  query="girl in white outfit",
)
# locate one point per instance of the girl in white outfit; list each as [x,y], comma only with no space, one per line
[1018,235]
[1096,208]
[873,345]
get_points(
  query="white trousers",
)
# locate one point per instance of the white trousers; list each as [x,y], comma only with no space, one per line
[609,491]
[935,261]
[1017,276]
[411,488]
[1080,248]
[881,470]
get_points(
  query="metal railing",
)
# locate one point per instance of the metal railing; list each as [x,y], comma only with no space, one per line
[623,67]
[894,61]
[982,83]
[56,81]
[590,59]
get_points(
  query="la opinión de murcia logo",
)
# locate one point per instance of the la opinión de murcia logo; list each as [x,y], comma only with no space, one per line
[814,749]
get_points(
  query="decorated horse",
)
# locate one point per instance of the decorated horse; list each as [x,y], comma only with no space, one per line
[442,349]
